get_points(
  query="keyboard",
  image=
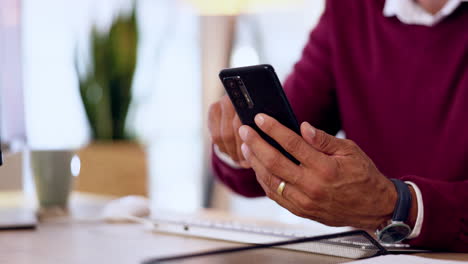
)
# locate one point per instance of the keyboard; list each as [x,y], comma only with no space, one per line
[250,233]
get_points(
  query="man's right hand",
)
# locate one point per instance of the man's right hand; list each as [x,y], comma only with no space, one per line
[224,124]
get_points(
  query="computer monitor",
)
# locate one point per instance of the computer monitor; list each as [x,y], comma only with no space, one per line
[12,116]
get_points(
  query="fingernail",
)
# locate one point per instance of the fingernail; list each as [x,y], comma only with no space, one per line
[245,150]
[243,131]
[259,120]
[310,130]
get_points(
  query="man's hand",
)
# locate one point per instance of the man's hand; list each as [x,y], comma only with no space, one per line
[336,183]
[224,123]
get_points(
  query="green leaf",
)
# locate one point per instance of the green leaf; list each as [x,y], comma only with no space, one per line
[105,89]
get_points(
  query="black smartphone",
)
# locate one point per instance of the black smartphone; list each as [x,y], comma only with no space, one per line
[257,89]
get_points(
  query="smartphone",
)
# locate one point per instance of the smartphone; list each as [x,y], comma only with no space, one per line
[257,89]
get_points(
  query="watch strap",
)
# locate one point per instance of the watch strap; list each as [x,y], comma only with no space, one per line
[403,204]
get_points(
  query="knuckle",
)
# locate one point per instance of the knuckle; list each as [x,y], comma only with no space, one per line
[327,174]
[316,194]
[307,205]
[297,176]
[324,140]
[293,143]
[310,160]
[272,161]
[350,144]
[322,170]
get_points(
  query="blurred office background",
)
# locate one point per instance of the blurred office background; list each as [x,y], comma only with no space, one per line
[182,47]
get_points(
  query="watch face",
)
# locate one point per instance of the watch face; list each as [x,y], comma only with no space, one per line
[394,233]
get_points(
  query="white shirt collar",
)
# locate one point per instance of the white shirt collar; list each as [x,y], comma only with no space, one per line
[409,12]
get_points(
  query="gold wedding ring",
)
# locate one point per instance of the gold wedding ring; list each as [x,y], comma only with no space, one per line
[280,188]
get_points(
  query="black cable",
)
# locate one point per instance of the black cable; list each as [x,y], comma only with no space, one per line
[380,250]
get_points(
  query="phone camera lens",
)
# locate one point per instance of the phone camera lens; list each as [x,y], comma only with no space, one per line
[236,93]
[232,84]
[240,103]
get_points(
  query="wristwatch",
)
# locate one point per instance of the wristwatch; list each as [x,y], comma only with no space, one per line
[396,230]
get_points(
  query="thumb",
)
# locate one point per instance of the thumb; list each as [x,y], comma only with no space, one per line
[320,140]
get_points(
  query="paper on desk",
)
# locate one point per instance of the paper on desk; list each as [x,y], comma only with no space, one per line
[407,259]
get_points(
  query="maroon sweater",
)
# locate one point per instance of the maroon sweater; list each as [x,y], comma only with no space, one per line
[401,93]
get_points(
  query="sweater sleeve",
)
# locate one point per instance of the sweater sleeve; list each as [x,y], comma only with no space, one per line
[445,224]
[310,90]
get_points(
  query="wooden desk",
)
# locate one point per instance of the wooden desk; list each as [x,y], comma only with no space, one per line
[76,241]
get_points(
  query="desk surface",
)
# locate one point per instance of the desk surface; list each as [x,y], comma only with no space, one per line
[77,241]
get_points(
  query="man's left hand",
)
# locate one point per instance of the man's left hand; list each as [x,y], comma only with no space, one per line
[336,183]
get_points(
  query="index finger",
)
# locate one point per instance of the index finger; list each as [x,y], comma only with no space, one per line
[293,143]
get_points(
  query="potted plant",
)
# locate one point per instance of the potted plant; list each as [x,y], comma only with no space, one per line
[113,163]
